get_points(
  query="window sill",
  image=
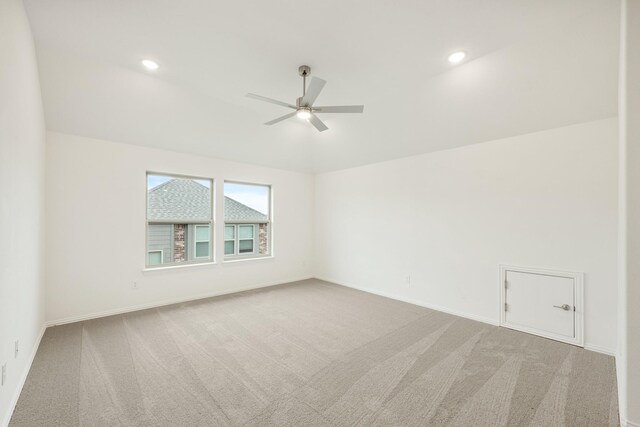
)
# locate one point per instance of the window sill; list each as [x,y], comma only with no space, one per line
[179,267]
[253,258]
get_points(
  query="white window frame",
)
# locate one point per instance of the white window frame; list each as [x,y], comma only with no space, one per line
[196,241]
[161,257]
[234,240]
[256,226]
[211,259]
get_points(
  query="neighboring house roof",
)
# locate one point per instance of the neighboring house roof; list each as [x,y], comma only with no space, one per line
[182,199]
[236,211]
[186,199]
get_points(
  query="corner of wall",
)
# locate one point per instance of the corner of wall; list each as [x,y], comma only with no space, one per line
[22,149]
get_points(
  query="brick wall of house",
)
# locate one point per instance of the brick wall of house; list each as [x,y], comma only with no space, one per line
[263,239]
[179,242]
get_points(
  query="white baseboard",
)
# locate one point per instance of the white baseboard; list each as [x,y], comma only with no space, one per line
[490,321]
[482,319]
[23,378]
[600,349]
[626,423]
[129,309]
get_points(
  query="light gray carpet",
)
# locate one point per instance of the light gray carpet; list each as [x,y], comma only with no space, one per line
[309,354]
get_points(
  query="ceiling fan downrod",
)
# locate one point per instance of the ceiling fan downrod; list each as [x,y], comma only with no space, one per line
[304,71]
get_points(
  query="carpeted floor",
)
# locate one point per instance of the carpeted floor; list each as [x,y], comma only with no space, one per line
[306,354]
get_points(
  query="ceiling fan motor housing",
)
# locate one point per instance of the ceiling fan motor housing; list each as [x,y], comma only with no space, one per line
[300,104]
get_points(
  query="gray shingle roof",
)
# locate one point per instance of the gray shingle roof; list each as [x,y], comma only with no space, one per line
[236,211]
[185,199]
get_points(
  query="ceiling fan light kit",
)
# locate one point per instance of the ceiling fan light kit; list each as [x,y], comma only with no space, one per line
[303,113]
[304,108]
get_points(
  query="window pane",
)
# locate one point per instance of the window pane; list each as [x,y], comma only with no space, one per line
[155,258]
[246,202]
[229,247]
[159,241]
[245,232]
[229,232]
[176,198]
[202,249]
[175,206]
[245,246]
[202,233]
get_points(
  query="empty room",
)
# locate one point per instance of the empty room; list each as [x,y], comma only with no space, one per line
[330,213]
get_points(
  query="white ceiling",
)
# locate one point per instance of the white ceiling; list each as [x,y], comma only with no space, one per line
[532,65]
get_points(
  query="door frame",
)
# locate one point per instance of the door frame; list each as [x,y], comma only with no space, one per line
[578,283]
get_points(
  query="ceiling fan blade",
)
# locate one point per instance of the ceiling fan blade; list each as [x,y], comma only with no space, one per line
[279,119]
[340,109]
[269,100]
[317,123]
[315,86]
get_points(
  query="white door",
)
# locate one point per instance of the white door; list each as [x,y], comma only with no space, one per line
[542,303]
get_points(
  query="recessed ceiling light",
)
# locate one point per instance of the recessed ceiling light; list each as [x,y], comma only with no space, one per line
[457,57]
[149,64]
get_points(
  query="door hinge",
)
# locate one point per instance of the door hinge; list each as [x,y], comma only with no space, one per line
[506,284]
[506,307]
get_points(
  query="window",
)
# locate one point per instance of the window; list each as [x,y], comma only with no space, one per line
[202,241]
[179,220]
[247,220]
[154,258]
[229,239]
[242,237]
[245,239]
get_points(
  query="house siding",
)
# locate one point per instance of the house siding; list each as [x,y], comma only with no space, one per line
[160,239]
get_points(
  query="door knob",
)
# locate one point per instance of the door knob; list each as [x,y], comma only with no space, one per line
[565,307]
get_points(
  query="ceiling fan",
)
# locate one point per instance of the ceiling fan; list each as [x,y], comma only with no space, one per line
[304,108]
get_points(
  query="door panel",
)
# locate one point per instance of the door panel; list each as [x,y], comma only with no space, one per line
[531,299]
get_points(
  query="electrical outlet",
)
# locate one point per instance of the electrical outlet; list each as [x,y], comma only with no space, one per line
[4,373]
[407,280]
[16,349]
[134,285]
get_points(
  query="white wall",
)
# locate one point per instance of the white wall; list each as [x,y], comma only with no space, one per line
[633,210]
[628,353]
[21,200]
[447,219]
[96,195]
